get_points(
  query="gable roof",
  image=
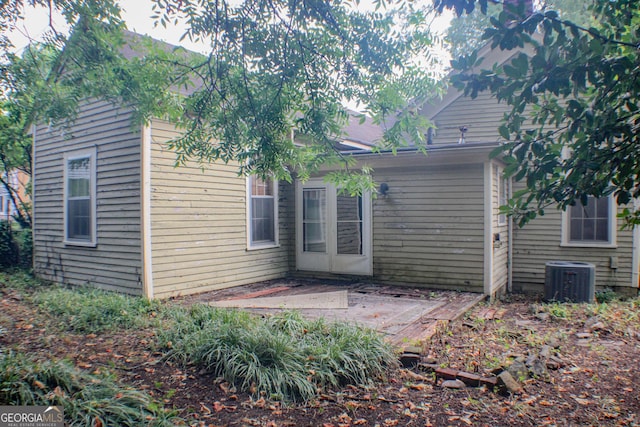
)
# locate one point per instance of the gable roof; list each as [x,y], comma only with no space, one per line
[489,57]
[356,135]
[360,136]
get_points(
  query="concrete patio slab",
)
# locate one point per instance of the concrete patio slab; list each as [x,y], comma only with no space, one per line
[320,301]
[406,316]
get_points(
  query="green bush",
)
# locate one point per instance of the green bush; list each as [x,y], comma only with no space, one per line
[606,296]
[8,246]
[24,238]
[91,310]
[283,356]
[88,399]
[16,246]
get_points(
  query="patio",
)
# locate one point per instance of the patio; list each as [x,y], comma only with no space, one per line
[406,316]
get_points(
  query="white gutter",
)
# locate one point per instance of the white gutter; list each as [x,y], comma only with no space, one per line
[431,148]
[355,144]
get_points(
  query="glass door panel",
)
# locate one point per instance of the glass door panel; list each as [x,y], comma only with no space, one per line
[333,229]
[314,220]
[349,224]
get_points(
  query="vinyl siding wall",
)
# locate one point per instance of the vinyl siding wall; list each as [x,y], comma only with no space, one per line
[199,228]
[428,231]
[115,263]
[482,116]
[540,240]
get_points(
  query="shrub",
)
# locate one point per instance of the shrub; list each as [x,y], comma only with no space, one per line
[16,246]
[606,295]
[19,279]
[8,246]
[92,310]
[24,239]
[283,356]
[88,399]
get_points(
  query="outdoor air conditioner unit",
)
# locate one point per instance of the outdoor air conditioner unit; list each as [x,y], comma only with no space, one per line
[569,281]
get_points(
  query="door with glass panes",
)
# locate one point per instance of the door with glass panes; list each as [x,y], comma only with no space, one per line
[333,229]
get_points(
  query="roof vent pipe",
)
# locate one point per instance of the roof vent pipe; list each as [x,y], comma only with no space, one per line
[463,130]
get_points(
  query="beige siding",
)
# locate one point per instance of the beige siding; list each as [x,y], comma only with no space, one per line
[115,263]
[540,241]
[428,231]
[199,229]
[482,116]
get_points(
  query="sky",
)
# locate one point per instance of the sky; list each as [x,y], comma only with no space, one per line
[137,15]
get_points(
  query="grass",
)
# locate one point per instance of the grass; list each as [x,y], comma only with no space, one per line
[88,399]
[617,315]
[559,310]
[283,356]
[91,310]
[20,279]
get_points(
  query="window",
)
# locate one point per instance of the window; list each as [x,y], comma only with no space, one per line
[590,224]
[80,198]
[262,221]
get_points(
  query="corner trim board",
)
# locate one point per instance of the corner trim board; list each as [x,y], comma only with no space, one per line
[488,230]
[145,208]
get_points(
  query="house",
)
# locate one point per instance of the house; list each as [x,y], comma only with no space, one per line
[18,181]
[112,211]
[593,234]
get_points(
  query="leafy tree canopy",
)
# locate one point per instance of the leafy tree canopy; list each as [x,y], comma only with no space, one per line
[273,67]
[464,35]
[45,83]
[573,128]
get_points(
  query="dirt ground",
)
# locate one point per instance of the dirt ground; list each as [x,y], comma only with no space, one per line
[591,378]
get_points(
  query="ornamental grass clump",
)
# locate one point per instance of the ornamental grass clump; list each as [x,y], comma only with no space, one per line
[88,310]
[283,356]
[87,399]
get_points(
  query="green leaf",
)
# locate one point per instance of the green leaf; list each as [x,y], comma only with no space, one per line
[504,132]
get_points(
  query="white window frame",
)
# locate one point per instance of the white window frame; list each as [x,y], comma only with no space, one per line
[566,232]
[91,154]
[276,223]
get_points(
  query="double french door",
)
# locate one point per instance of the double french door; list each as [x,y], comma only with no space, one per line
[333,229]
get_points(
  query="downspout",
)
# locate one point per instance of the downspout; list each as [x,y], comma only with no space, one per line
[510,243]
[33,197]
[145,212]
[635,251]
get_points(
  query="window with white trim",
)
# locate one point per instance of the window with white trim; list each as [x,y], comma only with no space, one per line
[262,209]
[80,198]
[591,224]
